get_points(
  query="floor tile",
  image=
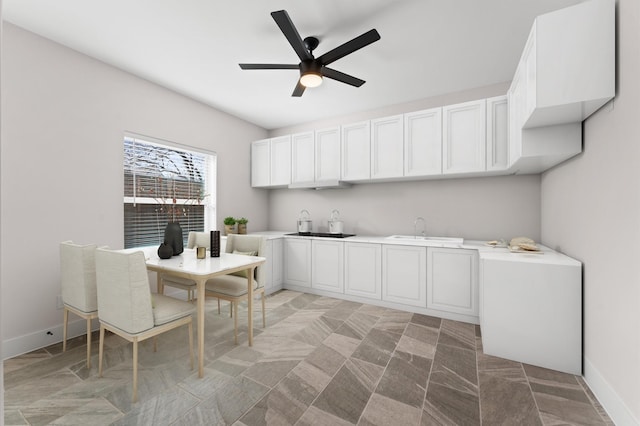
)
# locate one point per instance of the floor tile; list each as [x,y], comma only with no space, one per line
[377,347]
[316,417]
[426,320]
[383,411]
[348,392]
[506,401]
[458,334]
[405,379]
[269,373]
[451,406]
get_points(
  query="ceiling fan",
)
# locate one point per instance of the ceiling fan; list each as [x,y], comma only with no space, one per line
[313,69]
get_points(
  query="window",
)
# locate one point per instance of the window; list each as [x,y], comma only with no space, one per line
[164,183]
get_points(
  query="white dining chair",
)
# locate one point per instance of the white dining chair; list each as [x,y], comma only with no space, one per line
[78,282]
[195,239]
[233,287]
[127,308]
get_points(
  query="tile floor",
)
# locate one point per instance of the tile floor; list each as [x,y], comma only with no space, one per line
[320,361]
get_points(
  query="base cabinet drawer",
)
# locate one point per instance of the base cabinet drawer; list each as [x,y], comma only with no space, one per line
[363,270]
[452,280]
[404,274]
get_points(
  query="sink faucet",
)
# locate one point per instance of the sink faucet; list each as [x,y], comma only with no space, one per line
[415,227]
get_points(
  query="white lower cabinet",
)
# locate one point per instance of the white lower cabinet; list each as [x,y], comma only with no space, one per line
[273,266]
[404,274]
[297,262]
[327,265]
[452,280]
[363,270]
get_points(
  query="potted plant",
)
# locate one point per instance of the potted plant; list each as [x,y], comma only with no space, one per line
[242,225]
[229,225]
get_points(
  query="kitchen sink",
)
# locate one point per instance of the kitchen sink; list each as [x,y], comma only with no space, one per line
[452,240]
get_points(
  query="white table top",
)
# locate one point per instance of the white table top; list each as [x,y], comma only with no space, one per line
[188,263]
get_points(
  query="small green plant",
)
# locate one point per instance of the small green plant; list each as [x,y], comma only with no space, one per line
[242,221]
[229,221]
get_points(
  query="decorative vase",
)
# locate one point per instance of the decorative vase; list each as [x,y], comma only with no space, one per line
[173,237]
[228,229]
[242,228]
[165,251]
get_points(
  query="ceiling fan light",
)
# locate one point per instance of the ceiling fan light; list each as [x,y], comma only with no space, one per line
[311,79]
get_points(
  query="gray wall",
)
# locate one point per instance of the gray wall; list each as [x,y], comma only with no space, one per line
[63,116]
[591,211]
[478,208]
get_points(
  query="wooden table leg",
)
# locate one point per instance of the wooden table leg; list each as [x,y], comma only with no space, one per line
[200,314]
[250,305]
[159,285]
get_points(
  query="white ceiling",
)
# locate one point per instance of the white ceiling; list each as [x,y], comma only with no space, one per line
[427,47]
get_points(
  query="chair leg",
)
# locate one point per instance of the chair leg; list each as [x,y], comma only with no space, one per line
[88,342]
[218,306]
[264,319]
[231,310]
[155,343]
[234,305]
[135,371]
[191,343]
[100,350]
[64,329]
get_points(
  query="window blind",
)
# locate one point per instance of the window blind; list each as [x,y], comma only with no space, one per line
[163,183]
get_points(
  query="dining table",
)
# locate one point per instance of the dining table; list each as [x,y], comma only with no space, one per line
[187,265]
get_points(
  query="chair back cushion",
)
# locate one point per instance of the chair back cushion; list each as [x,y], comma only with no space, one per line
[78,276]
[199,239]
[124,297]
[249,243]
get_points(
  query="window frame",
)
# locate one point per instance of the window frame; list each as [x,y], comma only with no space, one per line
[210,200]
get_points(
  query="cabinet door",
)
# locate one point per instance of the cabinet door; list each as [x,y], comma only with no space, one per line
[464,136]
[452,281]
[497,133]
[356,160]
[281,161]
[327,270]
[362,270]
[273,266]
[297,262]
[327,166]
[277,263]
[260,160]
[387,152]
[516,100]
[404,275]
[423,143]
[302,157]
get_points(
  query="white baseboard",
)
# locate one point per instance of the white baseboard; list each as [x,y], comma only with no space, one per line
[77,327]
[609,399]
[39,339]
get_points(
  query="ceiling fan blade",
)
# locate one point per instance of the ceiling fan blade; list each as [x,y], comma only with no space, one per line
[289,30]
[341,77]
[349,47]
[299,90]
[269,67]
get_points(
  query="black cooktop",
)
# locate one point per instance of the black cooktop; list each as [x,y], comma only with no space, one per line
[321,234]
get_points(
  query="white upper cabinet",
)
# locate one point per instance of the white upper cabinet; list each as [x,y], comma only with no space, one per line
[569,63]
[497,133]
[387,153]
[464,137]
[356,144]
[260,160]
[281,161]
[327,158]
[423,143]
[302,157]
